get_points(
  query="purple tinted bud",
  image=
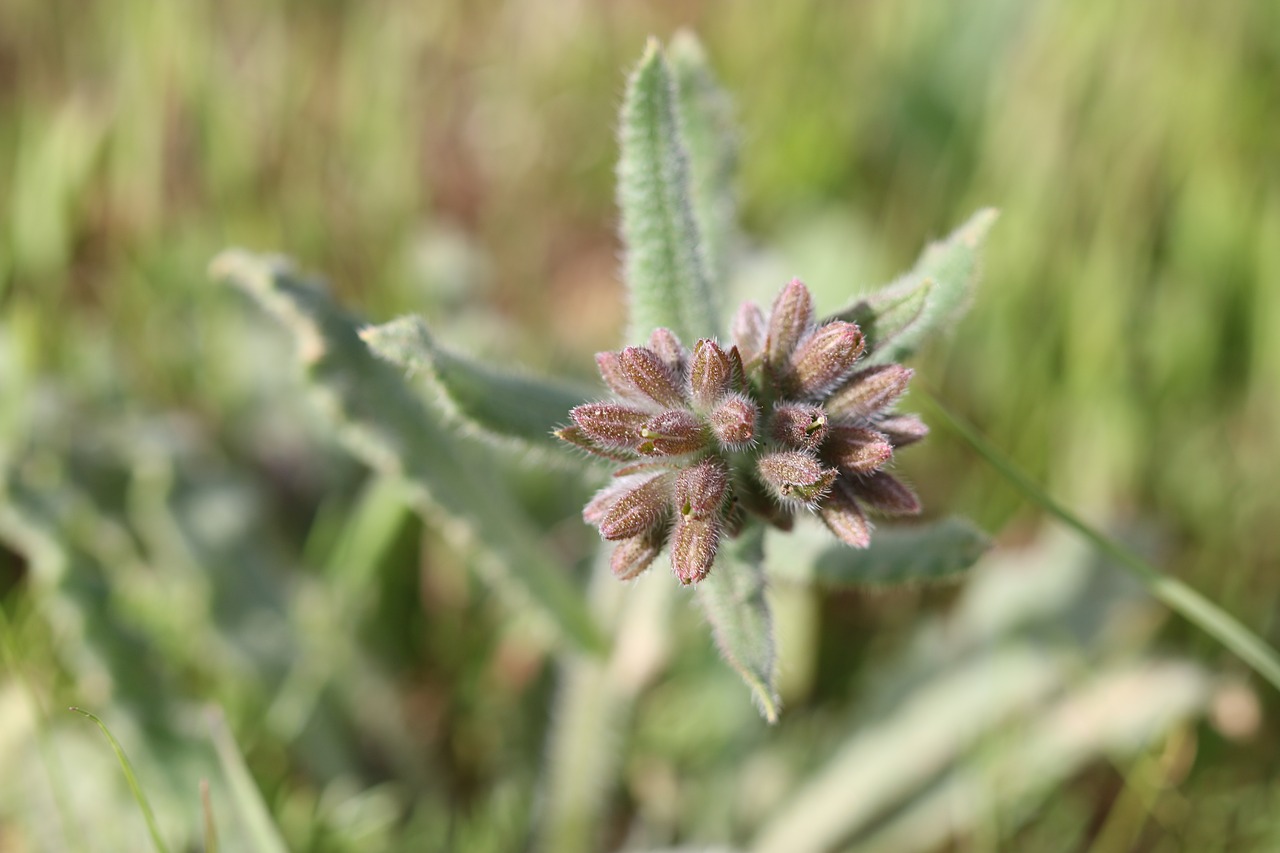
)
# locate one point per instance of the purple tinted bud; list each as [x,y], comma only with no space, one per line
[700,490]
[790,320]
[694,543]
[856,450]
[869,391]
[843,517]
[632,556]
[795,477]
[665,344]
[825,359]
[750,332]
[737,371]
[798,425]
[709,374]
[610,366]
[902,430]
[610,425]
[638,509]
[886,494]
[672,433]
[575,436]
[648,372]
[734,422]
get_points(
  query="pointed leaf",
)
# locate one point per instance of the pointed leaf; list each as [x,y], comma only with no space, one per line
[899,319]
[383,423]
[706,116]
[732,597]
[666,271]
[499,404]
[918,554]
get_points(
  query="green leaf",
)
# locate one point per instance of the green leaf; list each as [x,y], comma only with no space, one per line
[733,599]
[897,555]
[383,423]
[666,266]
[127,766]
[252,810]
[899,319]
[706,117]
[499,404]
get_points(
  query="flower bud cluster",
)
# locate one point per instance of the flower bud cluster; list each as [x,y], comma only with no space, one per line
[783,420]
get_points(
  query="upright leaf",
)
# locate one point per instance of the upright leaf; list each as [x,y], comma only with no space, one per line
[733,599]
[899,319]
[706,117]
[666,266]
[497,403]
[386,425]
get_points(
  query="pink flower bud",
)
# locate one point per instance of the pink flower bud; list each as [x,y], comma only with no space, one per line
[750,332]
[574,435]
[825,359]
[709,374]
[791,318]
[855,450]
[795,477]
[700,490]
[632,556]
[843,517]
[638,509]
[610,424]
[798,425]
[665,344]
[902,430]
[886,494]
[694,543]
[734,422]
[869,391]
[648,372]
[672,433]
[611,372]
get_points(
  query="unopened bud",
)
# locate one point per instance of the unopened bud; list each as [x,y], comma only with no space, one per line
[632,556]
[651,375]
[610,366]
[700,490]
[843,517]
[604,499]
[574,435]
[694,543]
[610,424]
[902,430]
[734,421]
[638,509]
[795,477]
[790,319]
[825,358]
[709,374]
[798,425]
[667,346]
[672,433]
[869,391]
[750,332]
[886,494]
[856,450]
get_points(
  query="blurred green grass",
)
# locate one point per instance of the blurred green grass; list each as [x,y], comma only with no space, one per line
[456,159]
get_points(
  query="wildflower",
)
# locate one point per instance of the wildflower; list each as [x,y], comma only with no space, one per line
[782,421]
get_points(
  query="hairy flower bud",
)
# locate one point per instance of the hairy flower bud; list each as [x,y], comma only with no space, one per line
[700,490]
[902,430]
[665,344]
[672,433]
[734,422]
[791,318]
[575,435]
[610,367]
[795,477]
[709,374]
[824,359]
[651,375]
[632,556]
[843,517]
[750,332]
[798,425]
[694,543]
[638,509]
[869,391]
[856,450]
[886,494]
[610,424]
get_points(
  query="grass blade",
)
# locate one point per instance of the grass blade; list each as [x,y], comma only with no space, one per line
[1182,599]
[129,776]
[245,796]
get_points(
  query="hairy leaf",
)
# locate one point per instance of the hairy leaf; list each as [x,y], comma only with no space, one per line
[383,423]
[666,266]
[498,403]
